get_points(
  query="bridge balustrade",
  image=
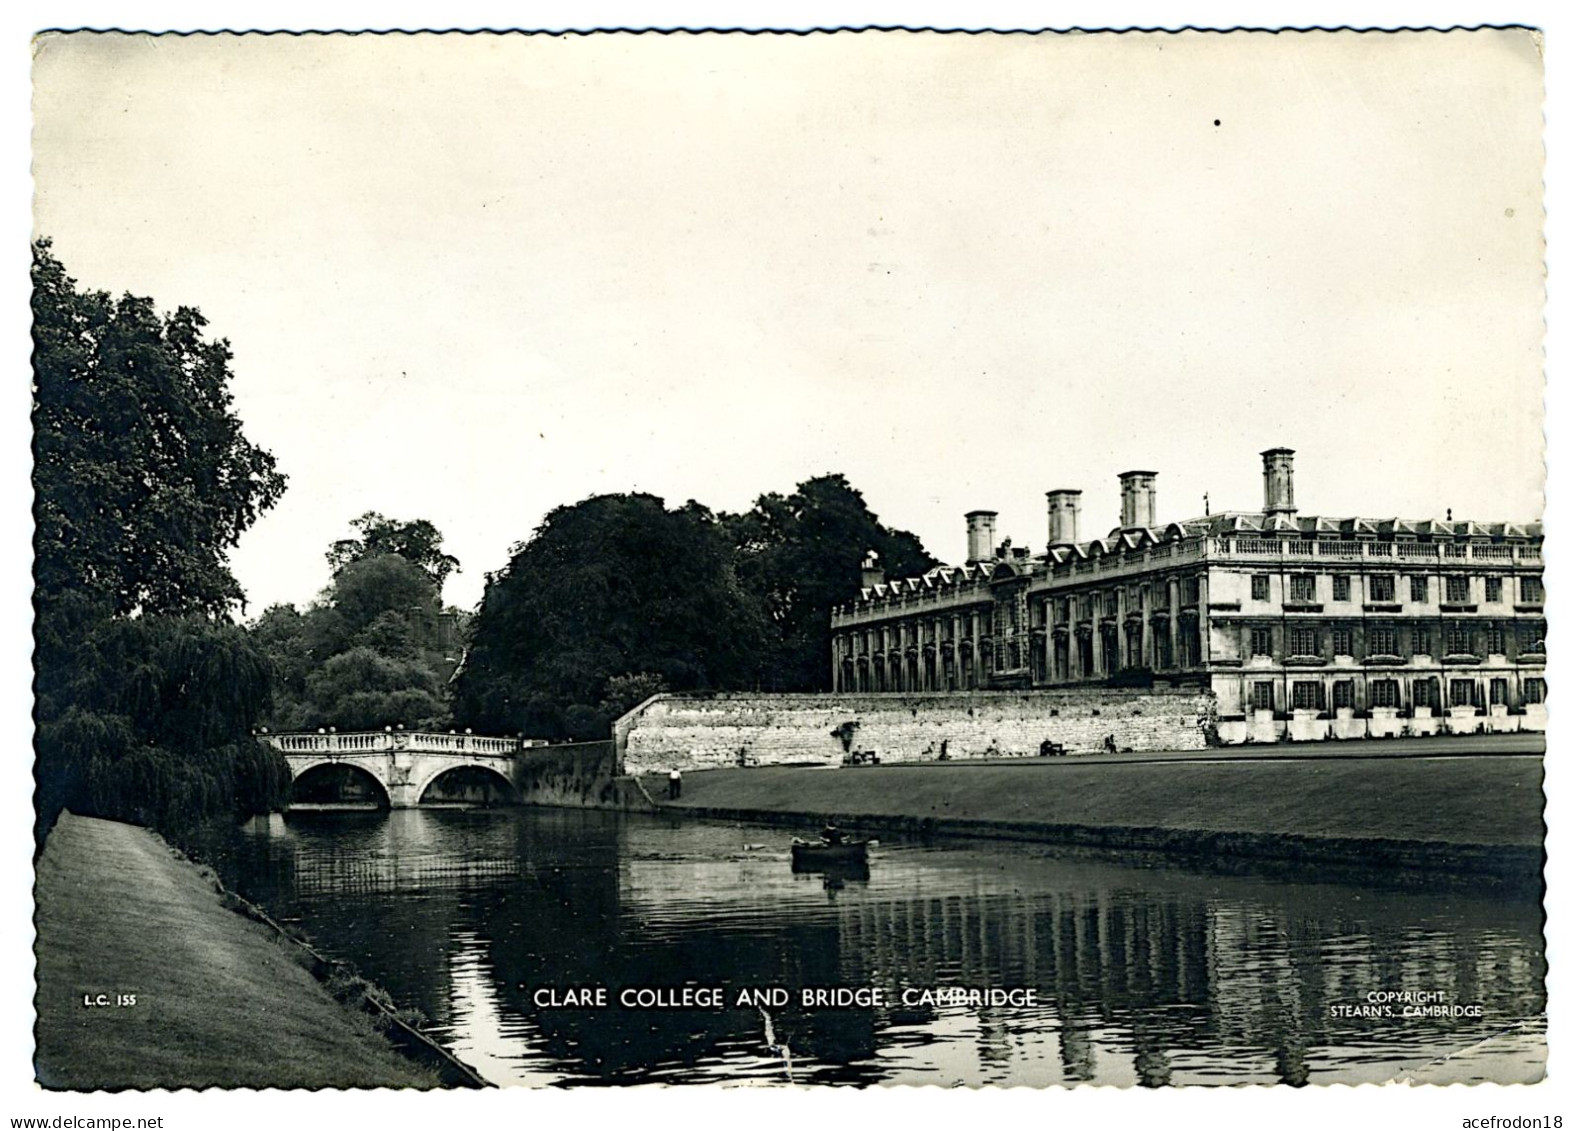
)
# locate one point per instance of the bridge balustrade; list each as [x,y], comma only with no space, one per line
[328,743]
[374,742]
[463,744]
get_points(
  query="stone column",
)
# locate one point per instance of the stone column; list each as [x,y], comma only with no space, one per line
[1095,640]
[979,672]
[1203,622]
[1122,647]
[1072,648]
[1173,587]
[1048,641]
[972,676]
[1149,654]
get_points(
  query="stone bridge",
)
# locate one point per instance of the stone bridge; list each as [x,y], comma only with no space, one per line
[399,768]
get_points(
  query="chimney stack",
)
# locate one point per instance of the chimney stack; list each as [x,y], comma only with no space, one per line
[980,536]
[1064,513]
[1278,481]
[873,572]
[1138,499]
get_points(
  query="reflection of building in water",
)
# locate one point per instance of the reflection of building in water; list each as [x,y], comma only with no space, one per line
[1152,978]
[353,875]
[409,850]
[1082,951]
[1274,976]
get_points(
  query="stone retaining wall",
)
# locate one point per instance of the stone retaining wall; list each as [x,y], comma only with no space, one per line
[703,731]
[579,775]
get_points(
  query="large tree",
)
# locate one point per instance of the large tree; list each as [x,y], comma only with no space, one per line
[611,594]
[802,553]
[151,723]
[417,542]
[143,480]
[367,654]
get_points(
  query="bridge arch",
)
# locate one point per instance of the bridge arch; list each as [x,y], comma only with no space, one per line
[331,782]
[469,783]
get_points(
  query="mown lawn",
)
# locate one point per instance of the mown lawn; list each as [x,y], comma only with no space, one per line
[1487,800]
[218,1000]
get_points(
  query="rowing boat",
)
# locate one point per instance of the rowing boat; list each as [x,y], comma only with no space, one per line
[807,854]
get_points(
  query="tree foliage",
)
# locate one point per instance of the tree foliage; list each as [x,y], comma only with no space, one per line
[417,542]
[616,598]
[142,480]
[366,655]
[625,692]
[364,689]
[801,554]
[142,477]
[611,588]
[156,725]
[150,721]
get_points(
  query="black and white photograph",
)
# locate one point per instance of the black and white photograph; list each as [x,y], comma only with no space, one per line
[801,561]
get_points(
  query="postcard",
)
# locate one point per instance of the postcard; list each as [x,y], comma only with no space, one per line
[811,561]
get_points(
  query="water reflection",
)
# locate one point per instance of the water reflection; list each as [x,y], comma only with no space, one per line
[1146,972]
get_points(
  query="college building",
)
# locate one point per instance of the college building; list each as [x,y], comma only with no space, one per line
[1302,627]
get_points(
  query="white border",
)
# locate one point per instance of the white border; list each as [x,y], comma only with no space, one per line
[1280,1107]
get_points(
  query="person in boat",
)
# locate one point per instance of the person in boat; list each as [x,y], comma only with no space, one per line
[674,784]
[831,835]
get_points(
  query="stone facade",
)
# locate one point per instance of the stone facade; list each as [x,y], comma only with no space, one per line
[699,731]
[1304,628]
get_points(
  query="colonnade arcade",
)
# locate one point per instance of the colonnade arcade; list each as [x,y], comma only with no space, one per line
[1018,637]
[946,652]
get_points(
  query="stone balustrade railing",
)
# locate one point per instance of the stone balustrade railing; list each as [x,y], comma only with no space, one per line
[1387,552]
[372,742]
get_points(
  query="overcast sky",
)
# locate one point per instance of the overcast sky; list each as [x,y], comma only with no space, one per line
[472,278]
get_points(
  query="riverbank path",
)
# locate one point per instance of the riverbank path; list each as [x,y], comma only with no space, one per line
[218,1000]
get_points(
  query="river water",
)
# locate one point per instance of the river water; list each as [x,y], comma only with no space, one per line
[1145,971]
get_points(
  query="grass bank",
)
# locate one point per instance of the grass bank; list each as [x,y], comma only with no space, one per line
[220,1000]
[1471,813]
